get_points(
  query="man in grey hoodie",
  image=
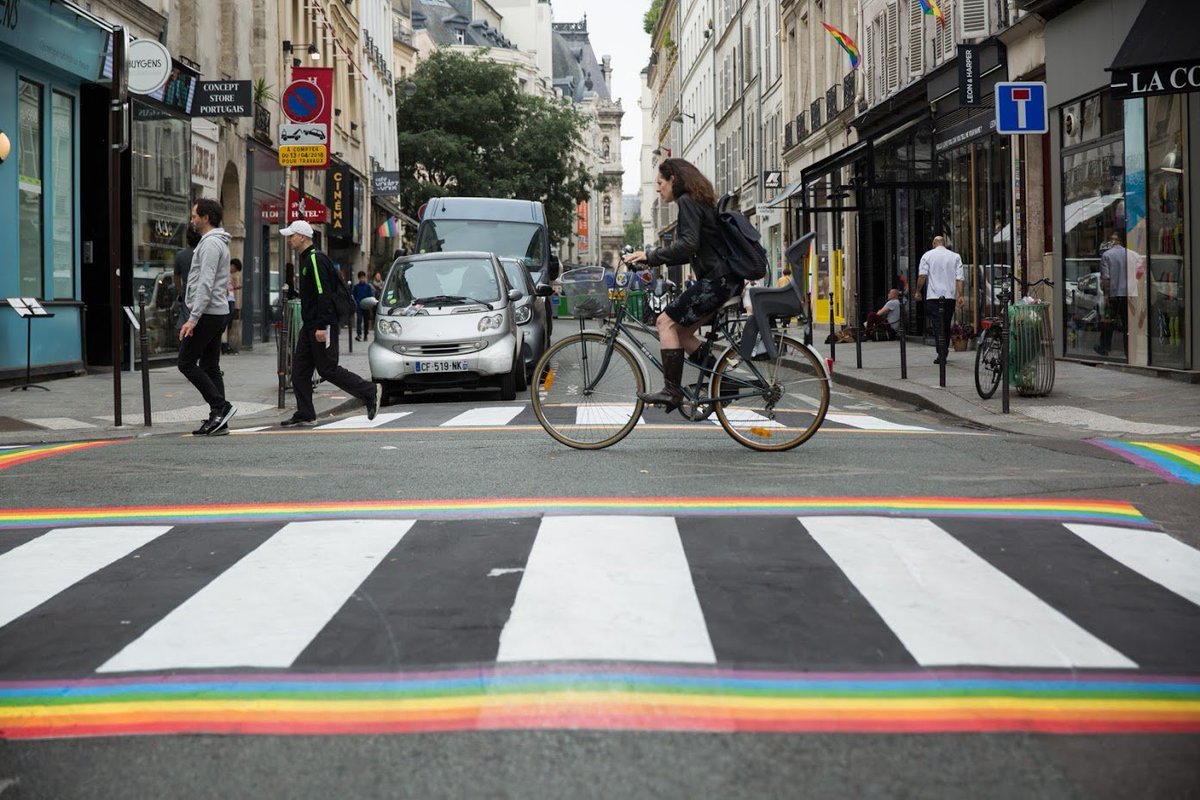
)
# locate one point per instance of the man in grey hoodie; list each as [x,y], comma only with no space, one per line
[205,298]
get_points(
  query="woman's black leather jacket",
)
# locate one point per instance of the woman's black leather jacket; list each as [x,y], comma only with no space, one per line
[695,235]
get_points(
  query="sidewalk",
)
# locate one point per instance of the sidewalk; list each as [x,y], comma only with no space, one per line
[1087,400]
[82,407]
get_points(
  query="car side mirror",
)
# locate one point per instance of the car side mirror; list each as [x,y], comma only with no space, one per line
[368,303]
[515,295]
[544,290]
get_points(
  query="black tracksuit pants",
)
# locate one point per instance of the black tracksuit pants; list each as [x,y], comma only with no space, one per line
[313,355]
[200,359]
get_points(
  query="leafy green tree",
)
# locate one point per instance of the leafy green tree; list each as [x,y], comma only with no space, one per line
[467,130]
[633,234]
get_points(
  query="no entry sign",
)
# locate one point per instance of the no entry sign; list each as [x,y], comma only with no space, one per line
[303,101]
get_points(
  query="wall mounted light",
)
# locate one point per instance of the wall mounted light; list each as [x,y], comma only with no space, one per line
[679,117]
[314,53]
[5,147]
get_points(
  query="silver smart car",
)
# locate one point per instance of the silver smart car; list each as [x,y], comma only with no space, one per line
[446,320]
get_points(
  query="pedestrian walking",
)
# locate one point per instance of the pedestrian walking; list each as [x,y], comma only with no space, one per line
[942,269]
[317,345]
[678,181]
[208,312]
[1114,283]
[362,290]
[235,286]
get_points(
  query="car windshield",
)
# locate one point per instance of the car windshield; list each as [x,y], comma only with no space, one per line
[447,280]
[518,276]
[505,239]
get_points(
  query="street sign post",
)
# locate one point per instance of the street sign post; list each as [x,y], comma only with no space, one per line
[303,155]
[1021,108]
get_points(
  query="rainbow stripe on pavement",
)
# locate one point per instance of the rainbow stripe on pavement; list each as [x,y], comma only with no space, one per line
[1066,510]
[1177,463]
[602,697]
[11,457]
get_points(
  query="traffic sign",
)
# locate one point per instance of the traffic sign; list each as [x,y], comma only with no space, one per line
[303,101]
[303,155]
[303,133]
[1021,108]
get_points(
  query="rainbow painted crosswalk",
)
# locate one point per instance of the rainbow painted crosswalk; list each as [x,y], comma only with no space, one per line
[1177,463]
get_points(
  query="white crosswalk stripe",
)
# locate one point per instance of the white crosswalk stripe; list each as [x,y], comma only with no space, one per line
[1166,561]
[869,423]
[605,415]
[607,587]
[60,423]
[488,415]
[361,421]
[38,570]
[265,609]
[948,605]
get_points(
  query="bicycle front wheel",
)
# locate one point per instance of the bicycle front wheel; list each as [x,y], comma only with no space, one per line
[988,368]
[772,405]
[586,395]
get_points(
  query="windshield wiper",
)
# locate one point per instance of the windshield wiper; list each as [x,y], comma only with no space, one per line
[450,300]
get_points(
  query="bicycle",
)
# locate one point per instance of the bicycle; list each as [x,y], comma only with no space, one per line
[990,352]
[585,387]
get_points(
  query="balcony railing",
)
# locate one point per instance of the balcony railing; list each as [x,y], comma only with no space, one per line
[788,141]
[831,102]
[262,123]
[848,90]
[801,127]
[814,114]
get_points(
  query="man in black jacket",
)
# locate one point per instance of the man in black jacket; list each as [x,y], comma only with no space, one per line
[317,346]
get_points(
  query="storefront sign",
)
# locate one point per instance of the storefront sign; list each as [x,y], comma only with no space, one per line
[54,33]
[309,99]
[772,179]
[149,65]
[948,139]
[1165,79]
[303,155]
[385,183]
[341,185]
[968,74]
[223,99]
[314,212]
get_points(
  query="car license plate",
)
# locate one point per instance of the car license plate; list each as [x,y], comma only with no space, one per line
[443,366]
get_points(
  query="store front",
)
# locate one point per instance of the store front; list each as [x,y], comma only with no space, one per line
[48,53]
[265,266]
[1122,130]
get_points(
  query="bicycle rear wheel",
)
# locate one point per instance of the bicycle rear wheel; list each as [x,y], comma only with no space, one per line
[988,368]
[586,396]
[779,410]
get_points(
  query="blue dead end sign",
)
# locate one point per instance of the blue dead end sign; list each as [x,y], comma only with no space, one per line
[1021,108]
[302,101]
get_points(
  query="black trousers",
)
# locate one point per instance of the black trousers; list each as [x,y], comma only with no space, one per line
[311,354]
[200,359]
[940,311]
[1116,319]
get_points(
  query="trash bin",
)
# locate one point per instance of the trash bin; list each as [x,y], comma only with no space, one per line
[635,305]
[584,289]
[1030,349]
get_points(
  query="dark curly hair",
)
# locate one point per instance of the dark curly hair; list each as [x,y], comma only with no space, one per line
[210,209]
[684,177]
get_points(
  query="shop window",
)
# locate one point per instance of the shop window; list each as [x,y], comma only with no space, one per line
[1166,216]
[62,149]
[1093,178]
[29,183]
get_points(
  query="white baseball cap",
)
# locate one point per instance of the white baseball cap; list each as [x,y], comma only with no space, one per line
[299,226]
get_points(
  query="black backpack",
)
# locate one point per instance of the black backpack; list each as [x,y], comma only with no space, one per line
[343,302]
[744,254]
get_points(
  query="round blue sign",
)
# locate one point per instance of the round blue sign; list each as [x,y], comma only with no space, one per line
[302,101]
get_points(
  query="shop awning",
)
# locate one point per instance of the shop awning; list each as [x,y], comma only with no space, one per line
[787,192]
[838,159]
[1161,54]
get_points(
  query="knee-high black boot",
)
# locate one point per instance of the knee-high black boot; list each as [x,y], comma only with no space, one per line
[672,394]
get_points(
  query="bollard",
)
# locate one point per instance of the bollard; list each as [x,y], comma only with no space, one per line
[903,338]
[144,341]
[832,333]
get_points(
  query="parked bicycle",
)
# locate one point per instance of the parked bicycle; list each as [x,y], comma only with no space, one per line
[991,353]
[585,388]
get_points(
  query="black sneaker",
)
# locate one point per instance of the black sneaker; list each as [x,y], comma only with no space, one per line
[298,422]
[220,430]
[372,404]
[205,427]
[223,416]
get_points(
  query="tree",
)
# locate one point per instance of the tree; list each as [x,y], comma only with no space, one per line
[633,234]
[467,130]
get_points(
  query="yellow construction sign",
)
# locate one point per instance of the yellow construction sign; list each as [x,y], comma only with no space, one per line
[303,155]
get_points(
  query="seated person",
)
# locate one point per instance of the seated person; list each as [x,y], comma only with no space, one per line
[886,320]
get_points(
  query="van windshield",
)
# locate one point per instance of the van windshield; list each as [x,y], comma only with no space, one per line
[506,239]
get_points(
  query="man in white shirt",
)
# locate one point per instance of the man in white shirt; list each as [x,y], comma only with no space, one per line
[942,269]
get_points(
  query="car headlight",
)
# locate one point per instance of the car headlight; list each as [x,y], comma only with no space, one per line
[523,314]
[389,327]
[491,322]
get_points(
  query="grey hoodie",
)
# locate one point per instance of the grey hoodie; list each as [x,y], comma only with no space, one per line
[208,280]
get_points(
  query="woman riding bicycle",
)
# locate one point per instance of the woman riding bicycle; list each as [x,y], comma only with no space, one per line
[680,182]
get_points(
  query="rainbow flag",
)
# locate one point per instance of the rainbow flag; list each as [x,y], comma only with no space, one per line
[390,229]
[846,42]
[931,7]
